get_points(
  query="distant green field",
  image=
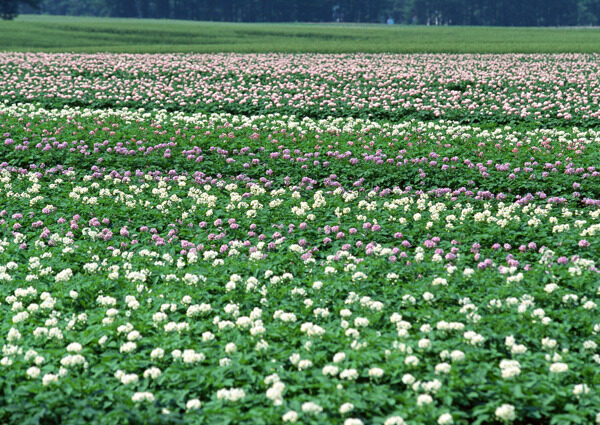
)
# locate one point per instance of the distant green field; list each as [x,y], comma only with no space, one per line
[76,34]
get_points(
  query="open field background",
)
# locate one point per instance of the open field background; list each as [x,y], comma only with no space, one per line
[70,34]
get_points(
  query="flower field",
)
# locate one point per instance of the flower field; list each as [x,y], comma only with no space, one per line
[498,89]
[314,239]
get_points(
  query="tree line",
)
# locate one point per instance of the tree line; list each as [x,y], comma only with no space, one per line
[422,12]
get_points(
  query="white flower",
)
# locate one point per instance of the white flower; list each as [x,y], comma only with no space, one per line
[580,389]
[74,347]
[457,355]
[424,343]
[49,378]
[275,393]
[191,356]
[349,374]
[330,370]
[506,413]
[375,372]
[548,342]
[193,404]
[126,378]
[13,335]
[346,407]
[261,345]
[559,367]
[20,317]
[439,281]
[518,349]
[33,372]
[152,372]
[231,394]
[442,368]
[474,338]
[408,379]
[128,347]
[423,399]
[310,407]
[509,368]
[304,364]
[394,420]
[431,386]
[339,357]
[353,421]
[133,335]
[207,336]
[73,360]
[157,353]
[64,275]
[361,322]
[411,361]
[142,396]
[290,416]
[445,419]
[55,333]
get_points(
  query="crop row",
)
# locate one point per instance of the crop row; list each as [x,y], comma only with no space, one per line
[505,163]
[555,90]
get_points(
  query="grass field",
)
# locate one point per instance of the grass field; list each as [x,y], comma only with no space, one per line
[77,34]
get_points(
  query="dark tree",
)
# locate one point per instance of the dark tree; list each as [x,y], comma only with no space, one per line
[122,8]
[9,9]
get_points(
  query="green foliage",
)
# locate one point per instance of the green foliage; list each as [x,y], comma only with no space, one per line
[60,34]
